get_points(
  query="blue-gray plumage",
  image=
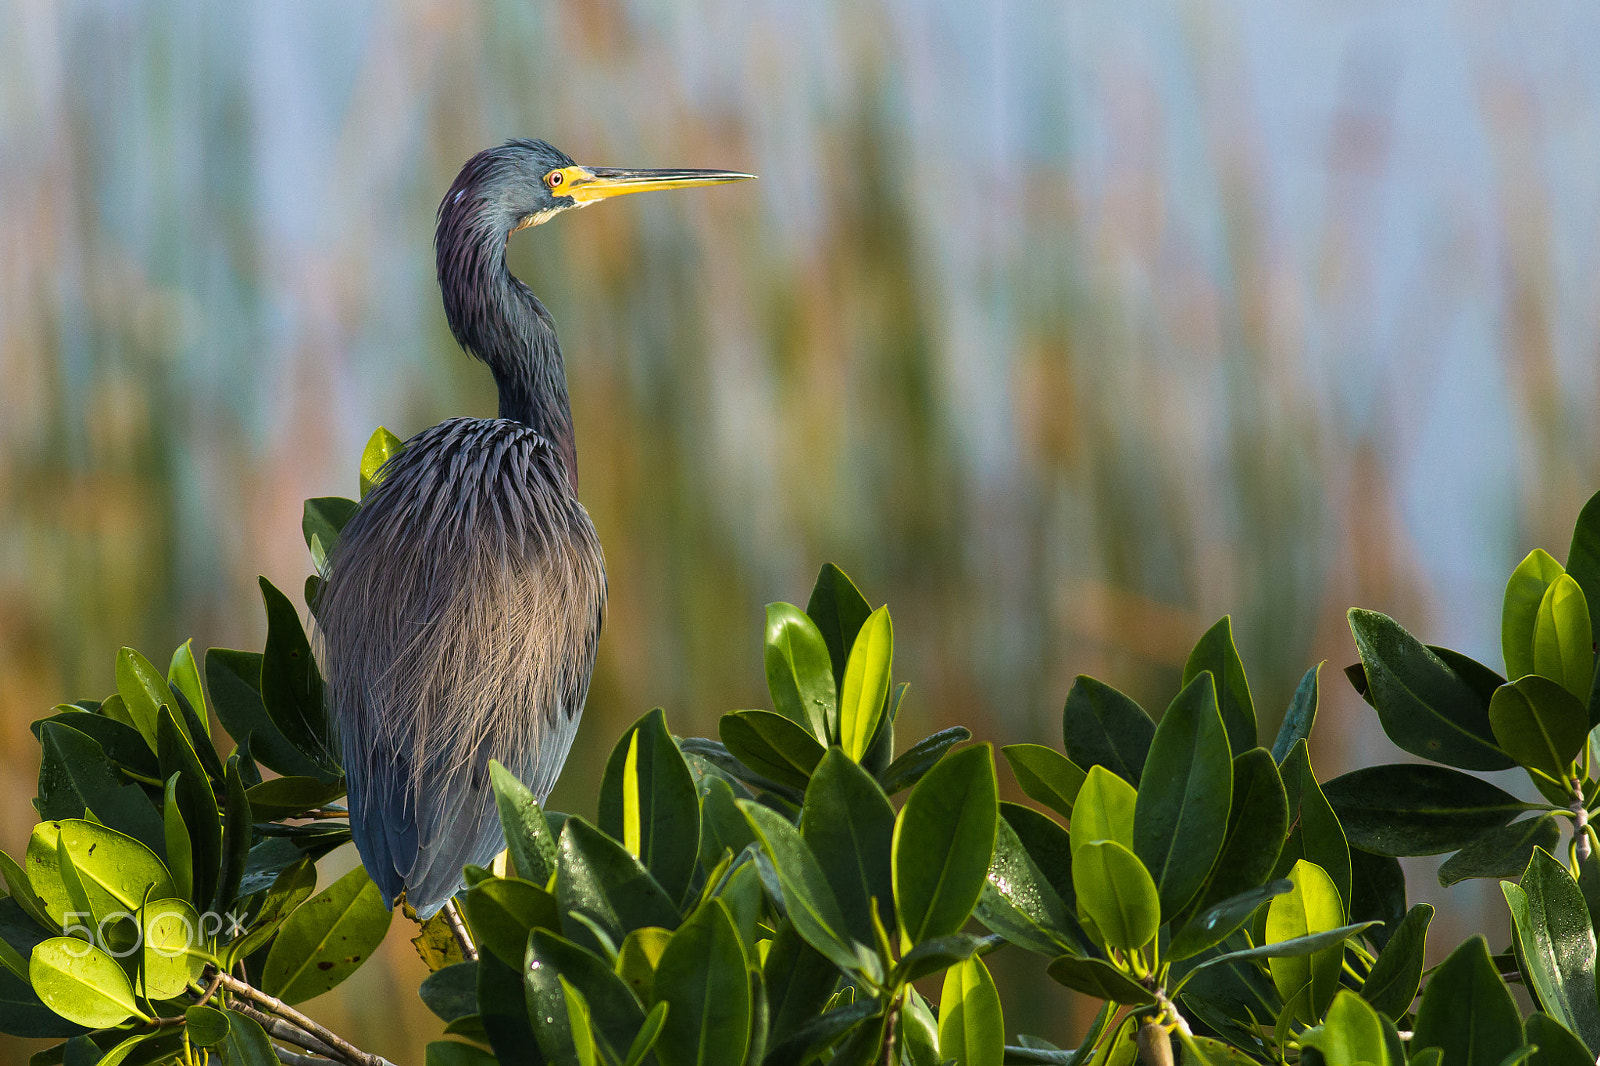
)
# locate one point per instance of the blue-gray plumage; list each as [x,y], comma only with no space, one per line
[463,601]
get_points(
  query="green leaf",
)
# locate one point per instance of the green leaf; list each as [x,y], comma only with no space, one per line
[702,979]
[1102,727]
[1020,903]
[143,690]
[1117,894]
[865,688]
[1045,775]
[1539,724]
[1315,831]
[206,1025]
[666,807]
[649,1034]
[616,1013]
[1558,944]
[1302,714]
[454,1053]
[1311,906]
[839,610]
[580,1024]
[943,841]
[81,983]
[1097,978]
[75,776]
[190,792]
[1295,947]
[807,896]
[1215,924]
[1502,852]
[291,687]
[117,872]
[1406,809]
[528,837]
[799,672]
[237,833]
[183,677]
[1557,1045]
[1352,1034]
[1394,979]
[918,759]
[772,746]
[288,797]
[175,951]
[1258,819]
[326,939]
[1105,810]
[452,992]
[381,447]
[848,824]
[503,1010]
[934,956]
[1215,652]
[1519,616]
[1181,814]
[1467,1010]
[598,880]
[798,979]
[321,522]
[1563,638]
[234,678]
[971,1029]
[246,1043]
[121,742]
[502,911]
[1425,706]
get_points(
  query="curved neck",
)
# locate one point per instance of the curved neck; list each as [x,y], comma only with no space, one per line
[498,319]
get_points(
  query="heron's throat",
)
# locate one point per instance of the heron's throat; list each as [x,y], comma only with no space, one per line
[498,319]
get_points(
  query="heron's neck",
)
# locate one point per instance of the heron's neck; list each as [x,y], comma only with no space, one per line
[498,319]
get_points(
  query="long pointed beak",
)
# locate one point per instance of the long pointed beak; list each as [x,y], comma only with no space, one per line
[597,183]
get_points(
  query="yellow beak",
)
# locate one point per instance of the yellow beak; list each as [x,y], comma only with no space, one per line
[588,184]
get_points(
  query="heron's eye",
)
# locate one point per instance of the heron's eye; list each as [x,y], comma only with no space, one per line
[555,178]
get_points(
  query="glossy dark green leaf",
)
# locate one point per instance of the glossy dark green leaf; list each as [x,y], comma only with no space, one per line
[75,775]
[1045,775]
[1557,1045]
[1467,1010]
[1315,832]
[943,841]
[1215,652]
[1020,903]
[1102,727]
[616,1013]
[1094,977]
[1519,615]
[455,1053]
[702,979]
[23,1014]
[933,956]
[323,518]
[1539,724]
[1116,893]
[1294,947]
[205,1025]
[121,742]
[528,838]
[452,992]
[1425,707]
[503,1008]
[1352,1034]
[246,1043]
[599,880]
[771,745]
[81,983]
[1181,815]
[1218,921]
[1047,843]
[807,895]
[237,836]
[1301,716]
[1583,556]
[289,797]
[880,750]
[234,678]
[918,759]
[800,674]
[1406,809]
[191,791]
[326,939]
[848,824]
[667,817]
[971,1028]
[502,911]
[1258,818]
[1502,852]
[1563,638]
[839,610]
[798,980]
[1395,977]
[143,689]
[291,686]
[1558,944]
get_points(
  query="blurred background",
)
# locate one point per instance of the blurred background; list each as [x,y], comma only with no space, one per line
[1063,327]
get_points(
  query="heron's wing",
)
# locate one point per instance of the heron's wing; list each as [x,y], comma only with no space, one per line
[459,621]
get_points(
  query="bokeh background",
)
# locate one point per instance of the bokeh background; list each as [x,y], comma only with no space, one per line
[1064,327]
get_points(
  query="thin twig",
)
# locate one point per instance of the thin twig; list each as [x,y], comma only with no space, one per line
[288,1032]
[211,990]
[289,1058]
[452,917]
[888,1031]
[347,1051]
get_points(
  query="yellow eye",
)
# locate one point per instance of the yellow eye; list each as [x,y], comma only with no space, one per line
[555,178]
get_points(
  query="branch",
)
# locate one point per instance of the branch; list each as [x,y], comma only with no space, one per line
[452,917]
[289,1058]
[346,1050]
[287,1032]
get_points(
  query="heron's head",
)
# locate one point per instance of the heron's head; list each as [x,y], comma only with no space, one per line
[523,183]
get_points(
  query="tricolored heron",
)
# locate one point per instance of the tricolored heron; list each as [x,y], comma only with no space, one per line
[464,599]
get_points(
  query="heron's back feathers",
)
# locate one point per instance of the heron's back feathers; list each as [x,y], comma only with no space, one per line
[458,624]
